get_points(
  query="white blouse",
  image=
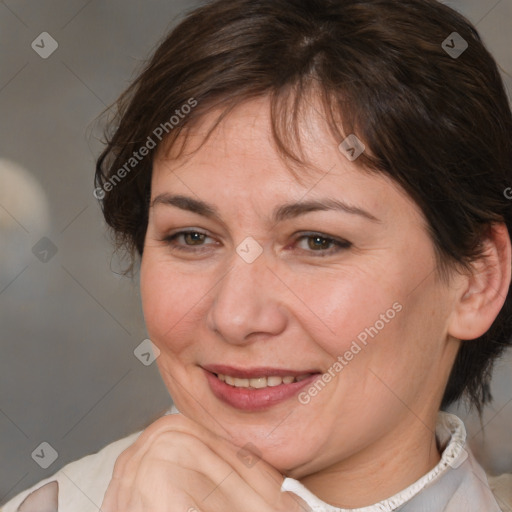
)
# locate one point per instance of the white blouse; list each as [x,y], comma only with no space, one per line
[458,483]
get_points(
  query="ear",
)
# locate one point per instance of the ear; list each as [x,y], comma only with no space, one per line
[485,289]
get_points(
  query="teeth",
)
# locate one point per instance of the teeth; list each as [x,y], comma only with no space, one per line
[260,382]
[273,381]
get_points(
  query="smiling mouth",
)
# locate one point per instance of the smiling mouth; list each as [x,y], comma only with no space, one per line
[257,388]
[260,382]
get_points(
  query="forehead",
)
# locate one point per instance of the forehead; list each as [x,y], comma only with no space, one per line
[246,132]
[240,164]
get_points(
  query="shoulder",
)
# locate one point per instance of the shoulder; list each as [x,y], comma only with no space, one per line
[501,487]
[82,483]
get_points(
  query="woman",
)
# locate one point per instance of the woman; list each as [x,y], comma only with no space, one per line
[316,190]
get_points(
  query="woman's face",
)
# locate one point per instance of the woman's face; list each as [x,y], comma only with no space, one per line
[260,290]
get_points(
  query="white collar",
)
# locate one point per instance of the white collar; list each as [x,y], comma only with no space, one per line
[456,483]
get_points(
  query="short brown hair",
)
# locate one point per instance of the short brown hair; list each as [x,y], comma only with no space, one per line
[437,123]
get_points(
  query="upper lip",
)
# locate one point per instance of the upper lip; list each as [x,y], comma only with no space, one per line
[255,372]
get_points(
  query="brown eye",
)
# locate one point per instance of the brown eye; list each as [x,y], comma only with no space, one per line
[316,242]
[194,237]
[190,238]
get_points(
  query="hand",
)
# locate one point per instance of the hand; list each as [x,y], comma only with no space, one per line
[176,465]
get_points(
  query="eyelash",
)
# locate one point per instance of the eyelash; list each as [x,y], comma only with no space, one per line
[339,243]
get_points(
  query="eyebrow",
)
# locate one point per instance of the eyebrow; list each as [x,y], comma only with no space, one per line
[280,213]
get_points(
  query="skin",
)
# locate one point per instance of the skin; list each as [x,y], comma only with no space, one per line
[369,433]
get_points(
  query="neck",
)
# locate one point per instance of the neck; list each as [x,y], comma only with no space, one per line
[380,471]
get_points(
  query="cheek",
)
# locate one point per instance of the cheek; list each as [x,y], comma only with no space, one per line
[170,301]
[371,325]
[332,309]
[341,308]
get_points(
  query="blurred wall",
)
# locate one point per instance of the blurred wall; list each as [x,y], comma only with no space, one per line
[69,323]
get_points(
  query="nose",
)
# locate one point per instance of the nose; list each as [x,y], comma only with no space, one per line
[248,303]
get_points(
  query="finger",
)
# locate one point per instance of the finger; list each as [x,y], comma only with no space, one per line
[177,452]
[251,488]
[109,499]
[263,477]
[216,486]
[112,500]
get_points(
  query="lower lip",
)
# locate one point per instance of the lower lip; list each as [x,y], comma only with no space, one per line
[250,399]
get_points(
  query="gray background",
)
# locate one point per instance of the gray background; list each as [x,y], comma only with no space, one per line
[69,326]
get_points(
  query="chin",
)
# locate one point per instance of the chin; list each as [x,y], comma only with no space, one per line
[286,459]
[282,453]
[288,466]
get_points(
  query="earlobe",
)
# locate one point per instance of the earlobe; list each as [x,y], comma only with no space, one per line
[486,287]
